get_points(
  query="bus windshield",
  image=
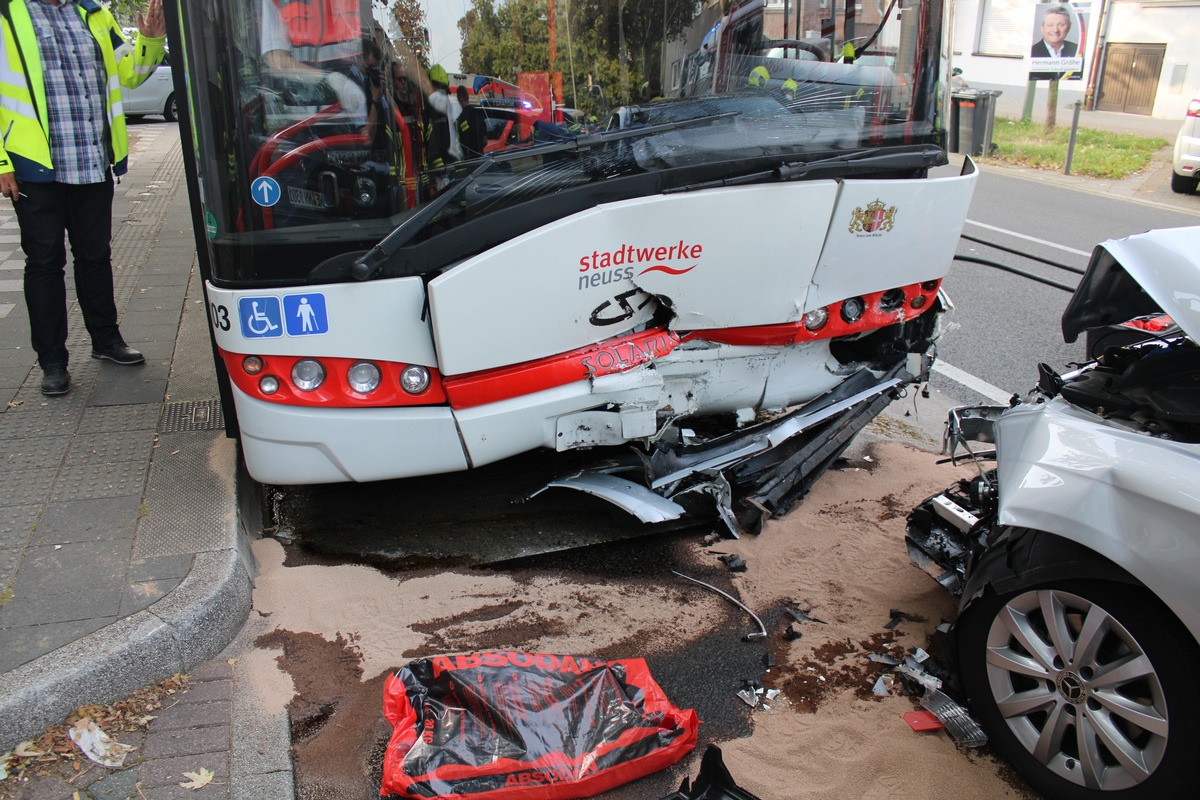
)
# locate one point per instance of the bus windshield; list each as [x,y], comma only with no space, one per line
[321,129]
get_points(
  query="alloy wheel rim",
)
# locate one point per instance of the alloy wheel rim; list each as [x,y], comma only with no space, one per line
[1077,690]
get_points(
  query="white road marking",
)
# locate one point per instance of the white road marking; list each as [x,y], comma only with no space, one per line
[1034,239]
[977,385]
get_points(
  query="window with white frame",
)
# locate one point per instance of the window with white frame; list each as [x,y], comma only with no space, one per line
[1005,27]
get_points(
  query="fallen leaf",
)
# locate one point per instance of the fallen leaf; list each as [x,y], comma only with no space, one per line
[198,780]
[232,662]
[26,750]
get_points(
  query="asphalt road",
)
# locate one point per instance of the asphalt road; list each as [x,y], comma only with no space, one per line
[1004,324]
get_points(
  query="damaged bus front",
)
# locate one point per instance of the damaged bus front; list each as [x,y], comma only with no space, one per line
[733,280]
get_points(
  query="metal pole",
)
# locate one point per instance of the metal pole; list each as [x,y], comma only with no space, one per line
[1071,142]
[1027,111]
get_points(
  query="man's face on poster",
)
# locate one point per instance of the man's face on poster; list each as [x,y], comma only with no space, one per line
[1055,27]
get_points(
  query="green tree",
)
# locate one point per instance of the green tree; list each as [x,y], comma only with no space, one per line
[510,36]
[405,20]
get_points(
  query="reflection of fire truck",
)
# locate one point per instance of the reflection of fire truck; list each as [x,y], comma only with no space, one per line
[824,70]
[511,115]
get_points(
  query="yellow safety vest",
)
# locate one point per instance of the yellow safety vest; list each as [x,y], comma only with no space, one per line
[24,122]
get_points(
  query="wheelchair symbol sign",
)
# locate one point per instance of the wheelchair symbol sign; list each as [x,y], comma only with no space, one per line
[305,314]
[260,317]
[265,191]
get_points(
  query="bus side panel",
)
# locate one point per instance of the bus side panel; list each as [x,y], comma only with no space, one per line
[719,258]
[887,234]
[382,323]
[302,445]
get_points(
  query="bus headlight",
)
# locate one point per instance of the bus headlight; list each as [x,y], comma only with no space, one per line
[414,380]
[363,377]
[852,309]
[815,320]
[308,374]
[268,384]
[252,364]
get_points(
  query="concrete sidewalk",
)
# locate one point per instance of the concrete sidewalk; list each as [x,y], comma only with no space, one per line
[119,545]
[122,558]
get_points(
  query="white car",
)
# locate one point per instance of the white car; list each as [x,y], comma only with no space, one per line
[1186,175]
[155,96]
[1078,557]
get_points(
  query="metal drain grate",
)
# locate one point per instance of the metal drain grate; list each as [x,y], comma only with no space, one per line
[189,415]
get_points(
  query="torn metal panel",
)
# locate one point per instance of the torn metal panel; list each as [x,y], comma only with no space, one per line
[627,495]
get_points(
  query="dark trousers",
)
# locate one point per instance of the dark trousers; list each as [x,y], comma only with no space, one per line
[84,213]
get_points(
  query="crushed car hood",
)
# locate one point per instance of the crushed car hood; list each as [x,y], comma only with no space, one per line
[1150,273]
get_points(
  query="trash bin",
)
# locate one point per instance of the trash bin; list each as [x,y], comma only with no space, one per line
[972,114]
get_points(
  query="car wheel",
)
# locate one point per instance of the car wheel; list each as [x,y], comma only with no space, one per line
[1182,184]
[170,112]
[1083,687]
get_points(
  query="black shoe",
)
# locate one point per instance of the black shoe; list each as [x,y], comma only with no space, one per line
[118,353]
[55,381]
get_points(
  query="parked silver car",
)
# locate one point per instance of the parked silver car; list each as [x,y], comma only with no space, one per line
[1078,556]
[1186,175]
[155,96]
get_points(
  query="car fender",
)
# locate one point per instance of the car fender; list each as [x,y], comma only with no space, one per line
[1125,496]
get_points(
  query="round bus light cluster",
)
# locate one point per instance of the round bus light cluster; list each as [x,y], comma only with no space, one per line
[815,320]
[268,384]
[363,377]
[308,374]
[414,379]
[853,309]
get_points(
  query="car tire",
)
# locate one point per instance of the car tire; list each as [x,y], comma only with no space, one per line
[1182,184]
[170,112]
[1050,705]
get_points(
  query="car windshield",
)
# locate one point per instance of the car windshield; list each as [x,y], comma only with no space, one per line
[320,128]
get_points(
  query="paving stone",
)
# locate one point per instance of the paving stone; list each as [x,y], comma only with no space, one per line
[207,692]
[120,418]
[39,452]
[98,519]
[111,446]
[10,557]
[23,644]
[194,742]
[90,601]
[159,568]
[169,771]
[17,524]
[19,487]
[120,785]
[55,570]
[217,669]
[142,594]
[191,715]
[15,425]
[88,481]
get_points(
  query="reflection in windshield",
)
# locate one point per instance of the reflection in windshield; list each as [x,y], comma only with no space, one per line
[324,125]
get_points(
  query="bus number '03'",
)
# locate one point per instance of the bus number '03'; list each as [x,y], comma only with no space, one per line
[220,316]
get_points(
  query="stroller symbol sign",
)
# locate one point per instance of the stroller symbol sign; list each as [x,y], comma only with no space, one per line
[260,317]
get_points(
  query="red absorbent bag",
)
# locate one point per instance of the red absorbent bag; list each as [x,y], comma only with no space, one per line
[535,726]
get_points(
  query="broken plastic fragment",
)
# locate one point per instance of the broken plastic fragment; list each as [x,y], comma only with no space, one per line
[97,745]
[919,655]
[923,721]
[748,697]
[768,661]
[791,634]
[884,658]
[883,685]
[735,562]
[963,730]
[772,694]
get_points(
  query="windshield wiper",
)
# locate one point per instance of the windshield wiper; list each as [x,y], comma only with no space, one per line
[366,265]
[863,160]
[592,140]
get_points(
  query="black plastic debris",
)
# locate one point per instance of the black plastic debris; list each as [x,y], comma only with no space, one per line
[768,661]
[713,782]
[734,562]
[791,634]
[804,616]
[899,616]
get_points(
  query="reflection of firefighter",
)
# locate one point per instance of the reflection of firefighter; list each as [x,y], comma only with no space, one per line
[316,41]
[789,90]
[759,78]
[442,145]
[470,125]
